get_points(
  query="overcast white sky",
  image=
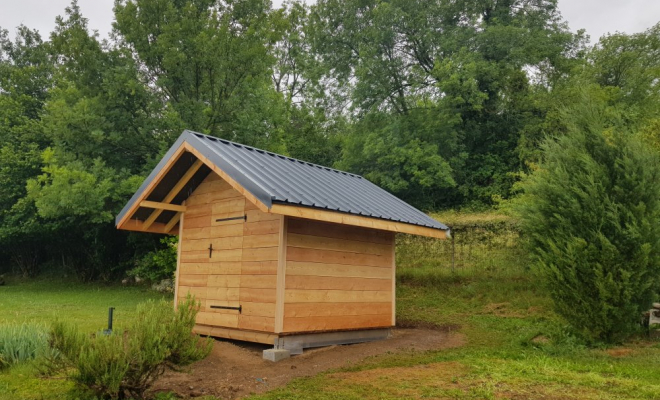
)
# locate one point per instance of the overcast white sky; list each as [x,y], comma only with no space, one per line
[596,16]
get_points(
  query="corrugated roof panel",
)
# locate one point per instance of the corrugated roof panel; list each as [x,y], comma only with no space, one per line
[274,178]
[290,181]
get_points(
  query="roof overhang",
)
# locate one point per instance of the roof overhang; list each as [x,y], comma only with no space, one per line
[189,161]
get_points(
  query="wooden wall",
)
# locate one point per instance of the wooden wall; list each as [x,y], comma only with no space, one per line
[337,277]
[242,269]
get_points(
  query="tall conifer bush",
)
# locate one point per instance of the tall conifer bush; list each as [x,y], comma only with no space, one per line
[591,214]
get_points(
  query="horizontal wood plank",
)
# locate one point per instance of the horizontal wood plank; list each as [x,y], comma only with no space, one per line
[337,257]
[337,283]
[261,227]
[258,309]
[258,281]
[212,197]
[336,296]
[308,324]
[260,254]
[257,295]
[226,243]
[197,222]
[256,241]
[304,268]
[259,267]
[235,334]
[330,230]
[224,281]
[266,324]
[192,280]
[298,310]
[325,243]
[235,206]
[222,294]
[217,319]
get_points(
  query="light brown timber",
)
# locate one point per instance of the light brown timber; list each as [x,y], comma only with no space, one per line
[174,191]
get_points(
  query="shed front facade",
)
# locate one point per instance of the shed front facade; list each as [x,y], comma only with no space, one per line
[277,250]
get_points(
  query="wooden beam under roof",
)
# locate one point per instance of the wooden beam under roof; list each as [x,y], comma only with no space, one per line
[138,226]
[162,206]
[168,166]
[356,220]
[173,222]
[175,190]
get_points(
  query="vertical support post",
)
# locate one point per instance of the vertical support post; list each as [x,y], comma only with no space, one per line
[178,262]
[281,276]
[393,279]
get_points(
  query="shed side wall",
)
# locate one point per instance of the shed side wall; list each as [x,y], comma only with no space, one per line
[242,268]
[337,277]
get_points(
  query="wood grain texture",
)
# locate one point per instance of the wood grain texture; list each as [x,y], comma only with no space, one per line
[259,267]
[325,243]
[154,182]
[303,268]
[235,334]
[325,323]
[298,310]
[217,319]
[256,323]
[258,295]
[174,191]
[336,257]
[337,296]
[337,283]
[178,264]
[346,219]
[337,231]
[281,275]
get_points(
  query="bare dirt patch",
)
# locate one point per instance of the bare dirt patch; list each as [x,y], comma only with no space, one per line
[619,352]
[236,369]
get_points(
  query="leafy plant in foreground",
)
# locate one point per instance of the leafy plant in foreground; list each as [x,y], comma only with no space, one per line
[20,343]
[125,365]
[591,214]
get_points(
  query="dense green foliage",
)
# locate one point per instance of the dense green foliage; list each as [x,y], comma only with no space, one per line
[591,212]
[125,364]
[443,103]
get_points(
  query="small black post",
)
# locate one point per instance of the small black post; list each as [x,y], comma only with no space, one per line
[109,330]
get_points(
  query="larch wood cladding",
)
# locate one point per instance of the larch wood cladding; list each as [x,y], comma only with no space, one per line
[242,268]
[337,277]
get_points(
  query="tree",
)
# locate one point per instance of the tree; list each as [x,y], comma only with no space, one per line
[25,79]
[454,73]
[591,213]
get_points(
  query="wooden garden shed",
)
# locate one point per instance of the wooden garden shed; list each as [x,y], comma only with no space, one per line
[277,250]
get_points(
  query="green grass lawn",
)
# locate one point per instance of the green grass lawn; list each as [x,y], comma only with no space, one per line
[516,346]
[46,300]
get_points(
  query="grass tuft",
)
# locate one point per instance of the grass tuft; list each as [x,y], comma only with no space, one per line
[21,343]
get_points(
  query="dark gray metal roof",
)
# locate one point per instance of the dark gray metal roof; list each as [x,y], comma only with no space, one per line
[277,179]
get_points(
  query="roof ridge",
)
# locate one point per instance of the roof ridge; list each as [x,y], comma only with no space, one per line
[270,153]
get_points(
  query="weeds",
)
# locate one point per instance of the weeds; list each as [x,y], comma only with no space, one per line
[21,343]
[123,365]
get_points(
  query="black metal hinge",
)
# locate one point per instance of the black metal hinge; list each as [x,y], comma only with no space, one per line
[244,217]
[239,308]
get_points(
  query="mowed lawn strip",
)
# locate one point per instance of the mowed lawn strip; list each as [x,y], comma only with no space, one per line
[43,301]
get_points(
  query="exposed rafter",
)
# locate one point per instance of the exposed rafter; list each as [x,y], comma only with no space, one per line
[162,206]
[172,222]
[175,190]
